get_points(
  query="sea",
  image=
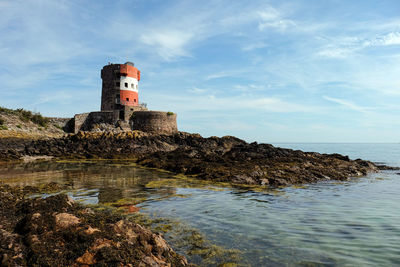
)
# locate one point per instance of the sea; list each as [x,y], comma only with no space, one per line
[330,223]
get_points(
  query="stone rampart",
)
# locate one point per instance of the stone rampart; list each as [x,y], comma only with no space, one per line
[158,122]
[154,122]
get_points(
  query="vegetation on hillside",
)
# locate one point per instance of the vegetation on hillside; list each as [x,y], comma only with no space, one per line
[26,115]
[2,126]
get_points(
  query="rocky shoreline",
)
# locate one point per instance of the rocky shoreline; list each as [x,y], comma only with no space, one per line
[55,231]
[225,159]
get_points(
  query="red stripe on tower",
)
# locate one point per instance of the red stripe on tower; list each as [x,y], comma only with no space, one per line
[130,71]
[129,98]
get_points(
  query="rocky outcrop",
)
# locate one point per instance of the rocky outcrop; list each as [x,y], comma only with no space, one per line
[226,159]
[256,164]
[55,231]
[13,148]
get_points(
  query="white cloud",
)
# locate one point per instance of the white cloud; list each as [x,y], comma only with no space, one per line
[347,104]
[253,46]
[392,38]
[169,44]
[272,18]
[230,125]
[345,46]
[197,90]
[251,87]
[221,74]
[334,52]
[57,97]
[231,103]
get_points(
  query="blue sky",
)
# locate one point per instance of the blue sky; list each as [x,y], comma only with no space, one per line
[267,71]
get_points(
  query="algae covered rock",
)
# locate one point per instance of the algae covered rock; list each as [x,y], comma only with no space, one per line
[54,231]
[225,159]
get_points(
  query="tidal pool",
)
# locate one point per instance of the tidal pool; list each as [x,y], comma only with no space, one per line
[352,223]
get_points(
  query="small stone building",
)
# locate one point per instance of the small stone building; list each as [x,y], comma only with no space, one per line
[120,104]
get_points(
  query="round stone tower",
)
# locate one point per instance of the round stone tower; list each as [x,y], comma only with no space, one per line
[120,87]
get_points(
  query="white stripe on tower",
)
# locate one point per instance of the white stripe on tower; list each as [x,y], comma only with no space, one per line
[131,82]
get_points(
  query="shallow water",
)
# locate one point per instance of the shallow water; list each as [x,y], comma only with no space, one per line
[352,223]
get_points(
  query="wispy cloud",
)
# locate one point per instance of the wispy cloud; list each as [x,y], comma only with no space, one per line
[169,44]
[272,18]
[197,90]
[228,103]
[223,74]
[346,103]
[344,47]
[392,38]
[253,46]
[251,87]
[335,52]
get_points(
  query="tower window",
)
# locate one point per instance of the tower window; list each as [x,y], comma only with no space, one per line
[134,100]
[126,85]
[118,84]
[132,86]
[127,99]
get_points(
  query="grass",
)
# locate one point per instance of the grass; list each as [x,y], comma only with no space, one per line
[169,113]
[26,115]
[6,110]
[2,126]
[58,126]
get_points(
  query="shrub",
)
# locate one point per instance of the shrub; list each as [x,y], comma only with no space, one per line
[6,110]
[39,119]
[3,127]
[1,121]
[169,113]
[26,115]
[19,126]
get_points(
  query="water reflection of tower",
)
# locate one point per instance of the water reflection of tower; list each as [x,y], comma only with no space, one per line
[114,182]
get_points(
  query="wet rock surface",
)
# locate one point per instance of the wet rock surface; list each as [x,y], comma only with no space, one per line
[55,231]
[13,148]
[225,159]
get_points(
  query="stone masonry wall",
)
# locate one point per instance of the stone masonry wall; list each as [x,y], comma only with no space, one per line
[129,110]
[84,121]
[79,120]
[64,123]
[109,89]
[154,121]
